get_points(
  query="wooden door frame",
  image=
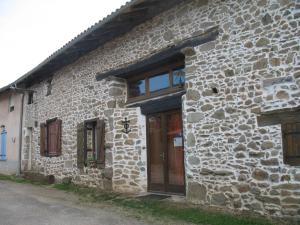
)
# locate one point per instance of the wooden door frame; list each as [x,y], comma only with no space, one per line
[166,165]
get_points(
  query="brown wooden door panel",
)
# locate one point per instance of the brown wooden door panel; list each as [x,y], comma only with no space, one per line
[175,149]
[156,152]
[165,152]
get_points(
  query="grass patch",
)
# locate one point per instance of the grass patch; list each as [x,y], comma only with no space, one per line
[161,209]
[154,208]
[65,187]
[13,178]
[19,179]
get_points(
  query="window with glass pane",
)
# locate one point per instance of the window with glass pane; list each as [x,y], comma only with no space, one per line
[90,140]
[159,82]
[137,88]
[179,77]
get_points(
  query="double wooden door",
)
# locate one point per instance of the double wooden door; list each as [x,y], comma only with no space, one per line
[165,152]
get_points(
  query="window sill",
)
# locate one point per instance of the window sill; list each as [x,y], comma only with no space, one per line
[294,164]
[52,156]
[85,169]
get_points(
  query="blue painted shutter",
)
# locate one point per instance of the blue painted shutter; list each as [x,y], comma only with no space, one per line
[3,145]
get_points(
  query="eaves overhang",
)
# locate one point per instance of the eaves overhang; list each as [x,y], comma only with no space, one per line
[118,23]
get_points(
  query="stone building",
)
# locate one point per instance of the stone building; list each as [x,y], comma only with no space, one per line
[194,97]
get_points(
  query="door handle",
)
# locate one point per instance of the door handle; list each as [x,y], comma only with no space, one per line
[162,155]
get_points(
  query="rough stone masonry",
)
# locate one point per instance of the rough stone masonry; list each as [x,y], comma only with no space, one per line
[230,161]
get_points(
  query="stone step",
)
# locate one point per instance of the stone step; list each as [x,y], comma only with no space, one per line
[38,177]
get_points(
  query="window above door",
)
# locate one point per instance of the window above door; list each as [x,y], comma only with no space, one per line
[160,81]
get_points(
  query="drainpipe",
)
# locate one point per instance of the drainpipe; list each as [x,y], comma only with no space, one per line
[23,92]
[21,135]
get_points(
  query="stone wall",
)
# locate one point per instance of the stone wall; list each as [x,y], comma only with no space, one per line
[231,162]
[253,67]
[129,158]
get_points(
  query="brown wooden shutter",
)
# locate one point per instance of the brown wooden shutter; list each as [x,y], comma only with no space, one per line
[80,146]
[58,124]
[54,138]
[100,141]
[43,139]
[291,143]
[51,133]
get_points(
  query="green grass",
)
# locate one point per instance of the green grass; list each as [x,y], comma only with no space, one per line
[156,209]
[19,180]
[13,178]
[160,209]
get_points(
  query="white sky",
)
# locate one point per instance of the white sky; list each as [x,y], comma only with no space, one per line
[31,30]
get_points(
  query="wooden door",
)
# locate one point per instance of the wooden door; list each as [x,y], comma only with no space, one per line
[165,152]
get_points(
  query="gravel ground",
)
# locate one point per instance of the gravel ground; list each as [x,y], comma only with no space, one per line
[25,204]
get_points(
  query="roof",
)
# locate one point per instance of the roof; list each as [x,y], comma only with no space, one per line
[5,88]
[116,24]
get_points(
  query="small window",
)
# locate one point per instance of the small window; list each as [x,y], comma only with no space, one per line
[90,133]
[159,82]
[291,143]
[50,138]
[164,80]
[49,87]
[137,88]
[179,77]
[290,128]
[11,106]
[90,144]
[30,98]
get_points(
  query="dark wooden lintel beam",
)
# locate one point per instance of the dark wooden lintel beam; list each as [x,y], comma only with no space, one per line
[163,103]
[279,117]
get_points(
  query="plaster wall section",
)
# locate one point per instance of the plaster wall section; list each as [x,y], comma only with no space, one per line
[11,121]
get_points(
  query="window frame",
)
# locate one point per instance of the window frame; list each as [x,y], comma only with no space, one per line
[45,151]
[98,142]
[168,69]
[49,86]
[282,117]
[288,159]
[30,98]
[94,139]
[11,105]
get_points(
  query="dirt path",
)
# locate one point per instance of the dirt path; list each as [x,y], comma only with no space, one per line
[25,204]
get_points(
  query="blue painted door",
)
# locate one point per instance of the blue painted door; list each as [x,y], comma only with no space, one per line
[3,145]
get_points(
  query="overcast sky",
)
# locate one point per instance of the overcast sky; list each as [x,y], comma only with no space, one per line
[31,30]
